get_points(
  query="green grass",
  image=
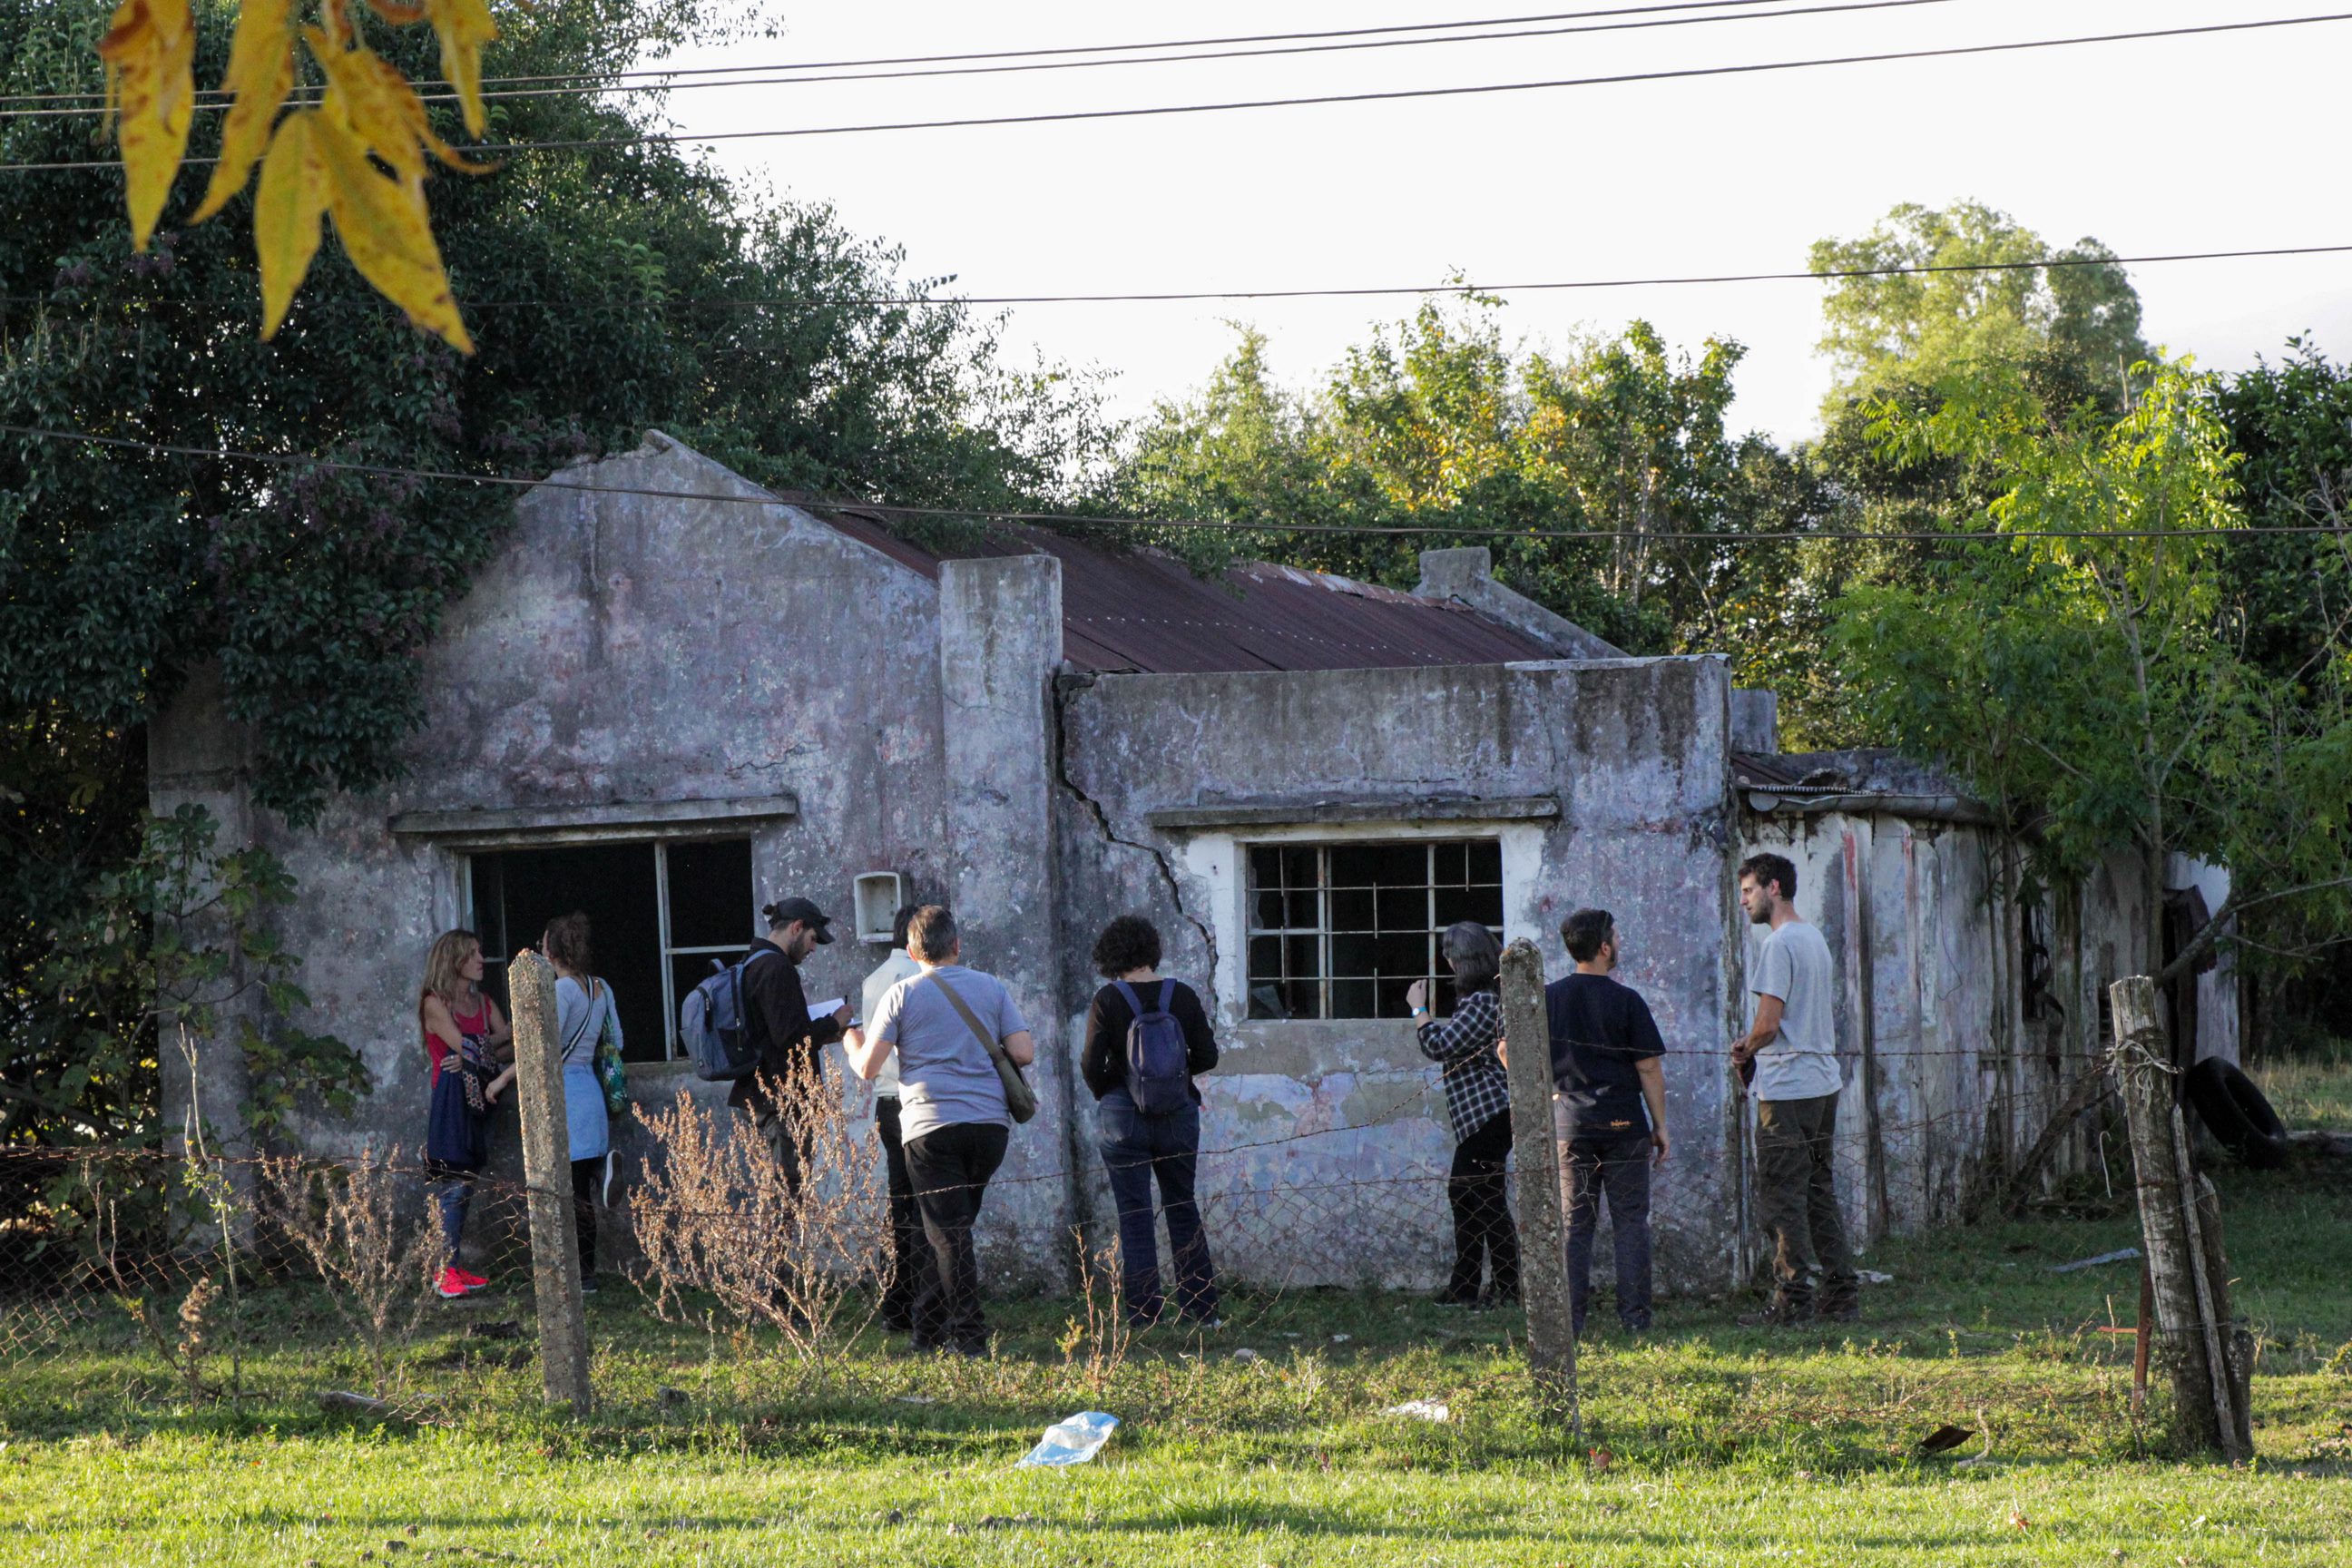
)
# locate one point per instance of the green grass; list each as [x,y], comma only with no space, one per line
[2312,1090]
[1725,1446]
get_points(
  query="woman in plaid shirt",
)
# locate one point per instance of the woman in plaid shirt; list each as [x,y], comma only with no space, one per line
[1479,1101]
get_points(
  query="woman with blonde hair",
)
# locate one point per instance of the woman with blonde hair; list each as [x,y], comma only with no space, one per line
[465,1037]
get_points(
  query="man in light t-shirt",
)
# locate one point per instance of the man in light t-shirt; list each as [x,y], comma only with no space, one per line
[1792,1044]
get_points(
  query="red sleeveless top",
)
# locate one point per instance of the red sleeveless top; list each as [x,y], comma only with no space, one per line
[438,1049]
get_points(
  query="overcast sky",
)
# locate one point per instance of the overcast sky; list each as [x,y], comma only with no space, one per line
[2223,141]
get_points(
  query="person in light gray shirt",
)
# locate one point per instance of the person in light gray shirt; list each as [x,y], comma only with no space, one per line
[952,1112]
[1790,1050]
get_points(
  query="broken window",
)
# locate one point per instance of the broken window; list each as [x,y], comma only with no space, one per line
[1341,931]
[660,913]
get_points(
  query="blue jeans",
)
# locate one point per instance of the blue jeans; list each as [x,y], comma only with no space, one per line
[1137,1150]
[1617,1168]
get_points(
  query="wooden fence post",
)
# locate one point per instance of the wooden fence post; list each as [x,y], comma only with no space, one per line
[1543,1251]
[547,1180]
[2189,1281]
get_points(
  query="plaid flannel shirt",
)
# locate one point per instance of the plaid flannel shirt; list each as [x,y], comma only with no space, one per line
[1476,1088]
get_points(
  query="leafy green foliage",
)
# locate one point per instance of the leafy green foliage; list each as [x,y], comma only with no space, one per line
[610,289]
[1438,423]
[1923,326]
[173,953]
[2094,686]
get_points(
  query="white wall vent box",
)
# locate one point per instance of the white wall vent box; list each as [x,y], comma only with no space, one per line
[874,904]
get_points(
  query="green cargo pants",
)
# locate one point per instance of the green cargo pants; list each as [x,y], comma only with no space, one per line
[1797,1202]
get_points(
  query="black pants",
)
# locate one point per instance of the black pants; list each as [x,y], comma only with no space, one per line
[776,1132]
[902,1261]
[950,1167]
[1614,1169]
[586,1175]
[1479,1195]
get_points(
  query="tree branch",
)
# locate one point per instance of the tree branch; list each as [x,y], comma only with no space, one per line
[2210,932]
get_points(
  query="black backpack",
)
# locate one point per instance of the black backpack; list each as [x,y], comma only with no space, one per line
[1158,1074]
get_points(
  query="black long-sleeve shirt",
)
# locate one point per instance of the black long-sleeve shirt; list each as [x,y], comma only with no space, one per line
[1104,1061]
[776,1017]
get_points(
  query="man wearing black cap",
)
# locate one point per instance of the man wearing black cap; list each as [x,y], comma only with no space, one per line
[776,1018]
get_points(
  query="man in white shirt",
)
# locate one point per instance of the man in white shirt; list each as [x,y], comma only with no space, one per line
[900,1260]
[1792,1048]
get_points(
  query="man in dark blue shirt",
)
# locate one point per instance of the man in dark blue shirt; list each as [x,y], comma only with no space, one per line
[1608,1113]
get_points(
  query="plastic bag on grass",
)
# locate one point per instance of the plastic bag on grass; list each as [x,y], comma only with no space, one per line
[1073,1441]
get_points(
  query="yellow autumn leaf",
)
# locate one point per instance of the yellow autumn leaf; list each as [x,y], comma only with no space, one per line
[367,103]
[260,73]
[464,26]
[150,50]
[401,100]
[287,209]
[385,230]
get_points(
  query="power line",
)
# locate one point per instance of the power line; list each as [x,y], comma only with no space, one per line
[1389,96]
[1374,292]
[714,79]
[668,72]
[989,514]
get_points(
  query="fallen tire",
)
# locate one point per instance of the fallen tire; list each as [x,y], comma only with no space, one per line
[2234,1112]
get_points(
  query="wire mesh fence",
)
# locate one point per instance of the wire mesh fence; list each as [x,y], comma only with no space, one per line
[184,1262]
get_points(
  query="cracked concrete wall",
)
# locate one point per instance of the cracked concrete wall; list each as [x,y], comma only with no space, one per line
[1000,644]
[1947,1078]
[1337,1128]
[617,648]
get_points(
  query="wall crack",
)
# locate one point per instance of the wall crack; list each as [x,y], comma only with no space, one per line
[1102,825]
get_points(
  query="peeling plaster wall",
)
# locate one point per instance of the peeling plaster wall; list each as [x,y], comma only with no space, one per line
[1947,1079]
[617,648]
[1343,1180]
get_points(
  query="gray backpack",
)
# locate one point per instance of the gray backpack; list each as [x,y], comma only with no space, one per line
[714,1027]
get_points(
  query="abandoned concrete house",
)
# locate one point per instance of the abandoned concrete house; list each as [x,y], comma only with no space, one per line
[667,708]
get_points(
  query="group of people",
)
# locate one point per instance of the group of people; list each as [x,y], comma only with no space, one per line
[942,1045]
[1608,1110]
[470,1046]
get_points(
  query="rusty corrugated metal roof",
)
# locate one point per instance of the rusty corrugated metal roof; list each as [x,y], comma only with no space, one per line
[1146,611]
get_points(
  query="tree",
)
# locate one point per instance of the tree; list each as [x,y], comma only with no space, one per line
[1920,327]
[2290,594]
[2082,672]
[615,287]
[1438,423]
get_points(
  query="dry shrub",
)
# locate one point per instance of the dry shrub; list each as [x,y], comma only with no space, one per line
[378,1268]
[141,1296]
[1096,1338]
[716,1213]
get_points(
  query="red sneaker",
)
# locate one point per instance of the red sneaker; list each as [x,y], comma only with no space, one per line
[450,1286]
[470,1281]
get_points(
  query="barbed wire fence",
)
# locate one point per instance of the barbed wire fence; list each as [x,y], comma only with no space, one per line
[185,1260]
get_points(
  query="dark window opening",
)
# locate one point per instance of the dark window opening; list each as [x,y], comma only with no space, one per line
[1342,931]
[2034,971]
[660,913]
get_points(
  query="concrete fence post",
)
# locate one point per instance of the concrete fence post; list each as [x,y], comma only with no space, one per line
[2182,1227]
[1543,1237]
[547,1180]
